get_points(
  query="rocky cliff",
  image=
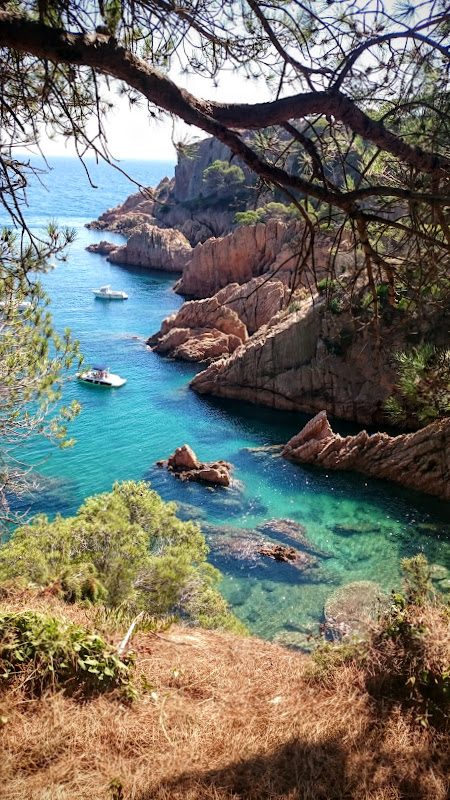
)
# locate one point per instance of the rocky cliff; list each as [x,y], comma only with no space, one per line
[153,247]
[201,330]
[306,361]
[419,460]
[245,253]
[182,202]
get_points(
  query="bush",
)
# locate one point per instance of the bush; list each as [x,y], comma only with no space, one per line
[405,658]
[246,218]
[126,547]
[41,652]
[328,285]
[220,175]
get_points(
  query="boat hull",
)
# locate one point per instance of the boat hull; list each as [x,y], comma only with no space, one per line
[110,296]
[112,382]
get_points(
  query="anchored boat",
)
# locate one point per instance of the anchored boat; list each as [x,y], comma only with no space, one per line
[106,293]
[101,376]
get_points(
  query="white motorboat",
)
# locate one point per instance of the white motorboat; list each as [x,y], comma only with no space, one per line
[105,293]
[101,376]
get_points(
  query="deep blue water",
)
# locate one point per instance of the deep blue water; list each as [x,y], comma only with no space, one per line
[364,526]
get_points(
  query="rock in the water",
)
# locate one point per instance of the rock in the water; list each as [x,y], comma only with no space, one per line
[185,465]
[419,460]
[279,552]
[103,248]
[296,640]
[289,529]
[155,248]
[183,458]
[351,609]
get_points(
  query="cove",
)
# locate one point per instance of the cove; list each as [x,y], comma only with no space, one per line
[361,527]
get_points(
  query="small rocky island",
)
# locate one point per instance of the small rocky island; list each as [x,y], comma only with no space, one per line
[184,464]
[269,326]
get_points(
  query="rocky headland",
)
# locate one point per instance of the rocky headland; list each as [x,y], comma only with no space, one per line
[419,460]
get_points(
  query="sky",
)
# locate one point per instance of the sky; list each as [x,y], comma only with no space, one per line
[132,134]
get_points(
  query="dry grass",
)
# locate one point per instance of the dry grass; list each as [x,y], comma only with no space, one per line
[228,718]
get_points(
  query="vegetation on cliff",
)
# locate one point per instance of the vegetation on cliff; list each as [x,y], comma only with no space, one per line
[126,549]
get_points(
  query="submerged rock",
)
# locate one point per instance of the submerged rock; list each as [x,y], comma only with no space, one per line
[247,545]
[280,552]
[290,530]
[419,460]
[296,640]
[351,609]
[184,464]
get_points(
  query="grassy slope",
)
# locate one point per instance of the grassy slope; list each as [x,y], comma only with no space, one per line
[229,718]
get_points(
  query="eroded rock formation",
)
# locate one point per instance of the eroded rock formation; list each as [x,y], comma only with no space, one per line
[247,252]
[185,465]
[154,247]
[201,330]
[306,361]
[419,460]
[255,302]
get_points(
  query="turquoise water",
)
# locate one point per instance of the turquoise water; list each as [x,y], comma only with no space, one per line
[361,527]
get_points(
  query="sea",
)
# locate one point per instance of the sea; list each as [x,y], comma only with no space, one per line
[360,527]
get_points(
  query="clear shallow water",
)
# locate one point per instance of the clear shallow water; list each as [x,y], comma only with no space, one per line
[364,527]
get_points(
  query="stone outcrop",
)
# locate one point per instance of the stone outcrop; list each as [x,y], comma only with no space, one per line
[255,302]
[204,330]
[247,545]
[184,464]
[201,330]
[419,460]
[155,248]
[103,248]
[307,361]
[351,609]
[247,252]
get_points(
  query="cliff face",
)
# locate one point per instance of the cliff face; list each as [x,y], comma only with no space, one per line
[152,247]
[188,183]
[181,202]
[419,460]
[308,361]
[245,253]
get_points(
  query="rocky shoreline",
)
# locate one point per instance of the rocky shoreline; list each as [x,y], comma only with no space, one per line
[263,342]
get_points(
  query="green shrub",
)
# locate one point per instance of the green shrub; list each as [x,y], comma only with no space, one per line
[335,305]
[327,285]
[126,547]
[294,306]
[327,660]
[220,175]
[41,652]
[246,218]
